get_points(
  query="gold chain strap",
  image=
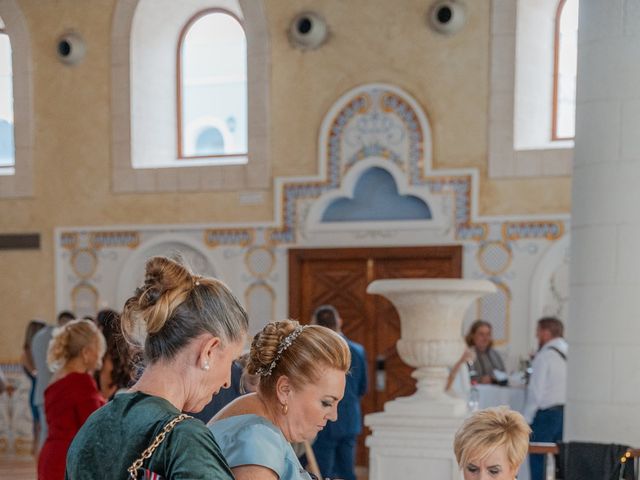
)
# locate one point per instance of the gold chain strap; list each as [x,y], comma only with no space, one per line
[133,469]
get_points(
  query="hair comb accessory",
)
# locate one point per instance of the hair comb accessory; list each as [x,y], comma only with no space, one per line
[284,344]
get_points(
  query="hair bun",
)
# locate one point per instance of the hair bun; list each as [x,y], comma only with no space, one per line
[166,285]
[264,347]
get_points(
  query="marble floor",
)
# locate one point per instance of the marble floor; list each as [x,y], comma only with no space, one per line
[22,467]
[17,467]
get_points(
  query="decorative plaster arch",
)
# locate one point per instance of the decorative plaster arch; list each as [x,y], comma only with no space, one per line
[129,276]
[18,182]
[381,122]
[555,256]
[259,313]
[365,98]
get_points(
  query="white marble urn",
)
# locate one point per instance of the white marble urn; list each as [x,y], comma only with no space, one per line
[431,313]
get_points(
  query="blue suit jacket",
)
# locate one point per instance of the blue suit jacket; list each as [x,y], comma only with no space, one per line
[349,421]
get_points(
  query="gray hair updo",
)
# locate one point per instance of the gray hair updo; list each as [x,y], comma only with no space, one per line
[174,306]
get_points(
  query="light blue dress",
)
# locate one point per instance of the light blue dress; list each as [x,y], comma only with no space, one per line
[253,440]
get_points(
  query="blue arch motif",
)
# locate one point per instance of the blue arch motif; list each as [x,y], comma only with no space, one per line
[359,104]
[376,198]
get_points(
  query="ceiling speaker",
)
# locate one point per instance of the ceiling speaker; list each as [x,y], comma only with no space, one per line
[308,30]
[447,16]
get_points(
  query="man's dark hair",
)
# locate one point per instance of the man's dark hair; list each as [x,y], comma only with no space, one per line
[326,316]
[552,325]
[65,316]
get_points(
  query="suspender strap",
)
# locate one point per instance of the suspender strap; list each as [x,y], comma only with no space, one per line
[564,357]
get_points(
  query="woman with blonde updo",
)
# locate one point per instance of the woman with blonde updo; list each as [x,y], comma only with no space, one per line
[492,443]
[75,351]
[193,327]
[301,373]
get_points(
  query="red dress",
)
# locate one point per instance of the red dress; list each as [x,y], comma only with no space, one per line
[68,402]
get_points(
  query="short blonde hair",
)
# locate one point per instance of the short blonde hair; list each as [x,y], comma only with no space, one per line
[69,340]
[303,361]
[491,428]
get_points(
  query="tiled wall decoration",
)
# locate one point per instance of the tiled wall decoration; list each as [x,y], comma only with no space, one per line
[16,423]
[374,125]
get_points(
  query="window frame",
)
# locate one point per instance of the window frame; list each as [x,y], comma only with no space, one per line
[130,176]
[9,169]
[556,75]
[17,181]
[505,160]
[180,133]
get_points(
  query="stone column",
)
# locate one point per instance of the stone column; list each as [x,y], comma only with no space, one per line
[604,325]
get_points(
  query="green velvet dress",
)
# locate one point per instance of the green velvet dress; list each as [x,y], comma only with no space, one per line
[117,434]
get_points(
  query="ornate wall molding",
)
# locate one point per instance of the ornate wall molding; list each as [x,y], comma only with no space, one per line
[373,125]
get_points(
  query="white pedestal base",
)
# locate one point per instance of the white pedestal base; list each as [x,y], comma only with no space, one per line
[411,444]
[414,406]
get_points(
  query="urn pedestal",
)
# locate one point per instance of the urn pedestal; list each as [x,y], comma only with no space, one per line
[413,436]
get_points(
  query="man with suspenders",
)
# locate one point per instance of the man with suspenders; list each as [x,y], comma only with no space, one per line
[547,390]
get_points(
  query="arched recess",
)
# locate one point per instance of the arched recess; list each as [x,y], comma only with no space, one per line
[550,285]
[132,274]
[18,181]
[260,300]
[189,175]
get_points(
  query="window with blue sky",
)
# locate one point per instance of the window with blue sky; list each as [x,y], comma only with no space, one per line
[213,87]
[7,150]
[566,70]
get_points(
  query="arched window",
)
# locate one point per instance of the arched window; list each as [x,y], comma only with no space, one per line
[522,101]
[565,69]
[184,76]
[7,146]
[212,83]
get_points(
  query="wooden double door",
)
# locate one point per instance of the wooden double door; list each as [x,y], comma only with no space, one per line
[340,277]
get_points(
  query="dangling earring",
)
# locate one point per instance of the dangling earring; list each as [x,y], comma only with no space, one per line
[205,366]
[285,408]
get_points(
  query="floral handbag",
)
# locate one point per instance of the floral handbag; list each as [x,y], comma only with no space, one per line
[136,466]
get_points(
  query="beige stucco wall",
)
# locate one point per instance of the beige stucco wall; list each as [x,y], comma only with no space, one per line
[371,40]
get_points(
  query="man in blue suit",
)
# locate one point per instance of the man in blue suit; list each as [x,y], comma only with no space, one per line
[335,446]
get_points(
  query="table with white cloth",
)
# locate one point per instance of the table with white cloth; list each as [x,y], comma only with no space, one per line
[512,397]
[494,396]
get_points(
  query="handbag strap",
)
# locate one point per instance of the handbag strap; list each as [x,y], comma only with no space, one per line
[133,469]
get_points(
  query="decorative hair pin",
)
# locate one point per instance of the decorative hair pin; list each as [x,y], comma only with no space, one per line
[284,344]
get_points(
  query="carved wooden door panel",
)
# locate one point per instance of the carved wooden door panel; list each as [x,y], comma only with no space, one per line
[341,283]
[340,277]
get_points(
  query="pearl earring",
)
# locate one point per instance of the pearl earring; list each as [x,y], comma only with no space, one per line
[206,365]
